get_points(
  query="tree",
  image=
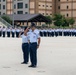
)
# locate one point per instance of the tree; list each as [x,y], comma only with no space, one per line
[50,22]
[59,23]
[57,17]
[66,22]
[6,18]
[58,20]
[71,21]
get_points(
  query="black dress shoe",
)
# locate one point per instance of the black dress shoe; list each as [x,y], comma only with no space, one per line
[30,66]
[24,63]
[33,66]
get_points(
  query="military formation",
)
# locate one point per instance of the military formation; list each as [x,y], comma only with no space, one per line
[57,32]
[10,31]
[14,32]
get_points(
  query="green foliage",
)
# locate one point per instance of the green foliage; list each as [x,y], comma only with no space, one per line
[71,21]
[66,22]
[7,19]
[58,20]
[49,17]
[61,21]
[57,17]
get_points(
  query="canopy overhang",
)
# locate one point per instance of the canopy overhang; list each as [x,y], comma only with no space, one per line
[29,18]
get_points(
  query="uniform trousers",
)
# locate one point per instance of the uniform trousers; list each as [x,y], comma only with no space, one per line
[48,34]
[13,34]
[41,34]
[52,33]
[25,49]
[56,34]
[45,34]
[3,34]
[33,53]
[17,34]
[65,33]
[8,34]
[70,33]
[60,33]
[0,33]
[75,34]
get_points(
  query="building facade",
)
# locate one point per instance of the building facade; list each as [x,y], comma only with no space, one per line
[65,7]
[14,6]
[2,6]
[45,7]
[26,6]
[41,6]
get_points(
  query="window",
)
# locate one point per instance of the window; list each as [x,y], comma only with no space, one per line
[58,7]
[3,0]
[3,13]
[3,6]
[26,5]
[46,5]
[19,12]
[46,13]
[43,13]
[67,7]
[67,15]
[43,5]
[26,12]
[0,13]
[39,5]
[19,5]
[0,6]
[14,6]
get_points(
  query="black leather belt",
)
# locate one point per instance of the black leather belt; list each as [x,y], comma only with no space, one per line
[24,43]
[33,42]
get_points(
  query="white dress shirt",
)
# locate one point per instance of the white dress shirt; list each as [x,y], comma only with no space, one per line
[24,38]
[17,30]
[33,36]
[8,30]
[4,29]
[13,30]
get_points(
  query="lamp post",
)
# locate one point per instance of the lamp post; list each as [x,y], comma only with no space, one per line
[13,13]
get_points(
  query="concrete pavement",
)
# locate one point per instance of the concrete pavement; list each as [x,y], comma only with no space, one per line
[56,56]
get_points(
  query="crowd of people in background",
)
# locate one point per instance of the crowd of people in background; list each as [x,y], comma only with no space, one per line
[44,32]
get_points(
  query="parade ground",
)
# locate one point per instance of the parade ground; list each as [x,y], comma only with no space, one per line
[56,56]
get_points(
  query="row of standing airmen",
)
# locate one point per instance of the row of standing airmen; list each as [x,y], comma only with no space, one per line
[10,31]
[43,32]
[57,32]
